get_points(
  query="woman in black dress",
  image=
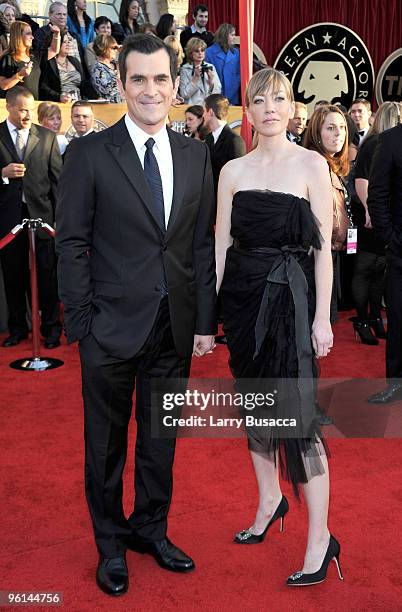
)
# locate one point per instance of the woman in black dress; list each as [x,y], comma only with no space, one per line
[274,271]
[20,65]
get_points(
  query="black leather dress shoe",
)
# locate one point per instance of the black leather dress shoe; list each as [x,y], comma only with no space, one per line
[51,343]
[112,575]
[392,393]
[14,339]
[165,553]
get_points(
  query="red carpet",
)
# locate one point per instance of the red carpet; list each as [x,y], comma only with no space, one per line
[46,536]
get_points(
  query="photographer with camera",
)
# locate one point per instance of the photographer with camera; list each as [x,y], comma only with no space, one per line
[198,79]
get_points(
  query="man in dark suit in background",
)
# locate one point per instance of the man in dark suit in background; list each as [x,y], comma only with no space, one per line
[297,124]
[137,278]
[224,144]
[30,165]
[385,207]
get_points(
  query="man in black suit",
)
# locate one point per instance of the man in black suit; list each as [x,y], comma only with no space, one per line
[360,111]
[297,124]
[30,165]
[224,144]
[137,278]
[385,207]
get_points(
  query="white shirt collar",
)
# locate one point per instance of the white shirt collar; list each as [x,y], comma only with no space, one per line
[139,136]
[194,30]
[216,133]
[12,128]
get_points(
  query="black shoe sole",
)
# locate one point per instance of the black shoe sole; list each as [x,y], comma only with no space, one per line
[105,590]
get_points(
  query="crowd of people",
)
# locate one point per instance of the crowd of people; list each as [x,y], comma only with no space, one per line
[138,209]
[75,57]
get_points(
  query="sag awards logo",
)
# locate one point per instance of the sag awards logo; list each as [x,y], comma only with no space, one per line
[327,61]
[388,87]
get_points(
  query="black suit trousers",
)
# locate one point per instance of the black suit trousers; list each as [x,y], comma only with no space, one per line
[393,295]
[15,265]
[108,387]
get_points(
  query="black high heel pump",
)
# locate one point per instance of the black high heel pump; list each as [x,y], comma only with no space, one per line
[363,329]
[246,537]
[333,552]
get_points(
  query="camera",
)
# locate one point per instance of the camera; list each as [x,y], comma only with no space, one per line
[204,69]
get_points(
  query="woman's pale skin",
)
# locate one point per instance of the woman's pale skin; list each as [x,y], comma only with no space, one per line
[278,165]
[133,12]
[104,28]
[52,123]
[192,122]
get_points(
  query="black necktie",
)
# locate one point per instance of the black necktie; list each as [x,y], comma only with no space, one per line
[152,174]
[361,133]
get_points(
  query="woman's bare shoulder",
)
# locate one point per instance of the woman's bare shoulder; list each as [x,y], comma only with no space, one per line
[312,162]
[233,167]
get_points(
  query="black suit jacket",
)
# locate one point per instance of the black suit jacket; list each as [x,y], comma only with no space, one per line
[385,189]
[112,250]
[228,146]
[43,164]
[50,85]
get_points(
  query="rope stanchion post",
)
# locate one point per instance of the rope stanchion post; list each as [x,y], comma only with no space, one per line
[36,363]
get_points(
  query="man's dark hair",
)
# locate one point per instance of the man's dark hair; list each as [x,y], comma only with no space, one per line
[16,92]
[199,8]
[219,104]
[101,20]
[146,44]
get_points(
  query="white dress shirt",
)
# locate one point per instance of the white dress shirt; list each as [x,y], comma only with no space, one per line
[362,136]
[13,133]
[163,154]
[216,133]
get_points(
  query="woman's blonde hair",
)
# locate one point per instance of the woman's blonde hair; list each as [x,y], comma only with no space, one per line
[268,78]
[16,40]
[172,42]
[47,110]
[193,45]
[388,115]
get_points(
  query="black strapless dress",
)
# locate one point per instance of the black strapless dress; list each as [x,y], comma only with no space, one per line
[268,301]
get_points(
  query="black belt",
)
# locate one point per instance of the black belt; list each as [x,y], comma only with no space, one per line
[286,270]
